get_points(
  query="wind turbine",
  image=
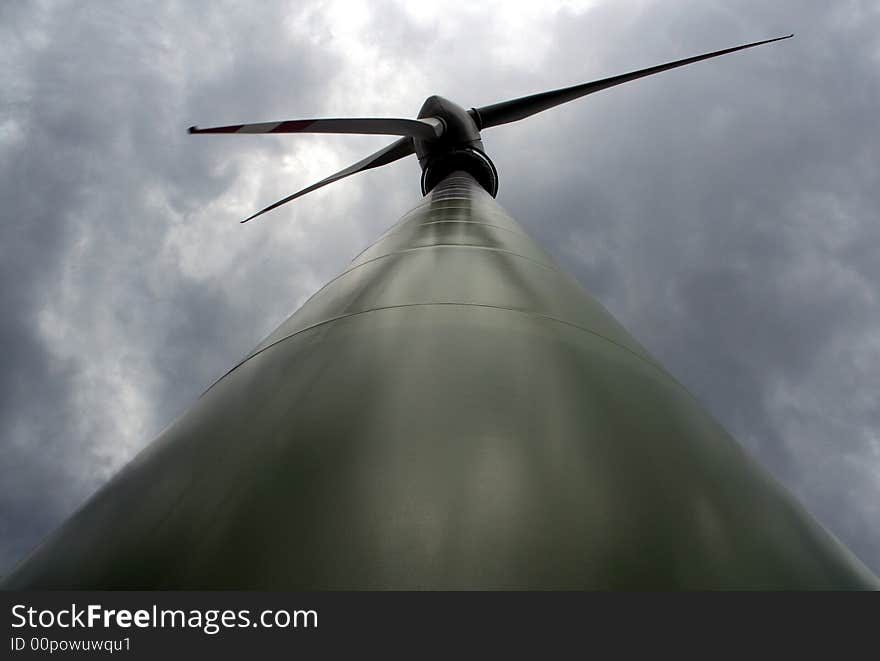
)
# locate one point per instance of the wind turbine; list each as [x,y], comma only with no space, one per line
[451,411]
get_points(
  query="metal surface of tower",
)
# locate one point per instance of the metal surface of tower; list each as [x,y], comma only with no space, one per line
[453,411]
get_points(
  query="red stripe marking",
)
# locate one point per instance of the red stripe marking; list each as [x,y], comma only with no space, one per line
[292,126]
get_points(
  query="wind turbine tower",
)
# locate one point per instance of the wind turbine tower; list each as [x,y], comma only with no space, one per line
[452,411]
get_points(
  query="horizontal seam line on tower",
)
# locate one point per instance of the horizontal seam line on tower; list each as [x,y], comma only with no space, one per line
[397,229]
[442,222]
[437,304]
[457,245]
[439,245]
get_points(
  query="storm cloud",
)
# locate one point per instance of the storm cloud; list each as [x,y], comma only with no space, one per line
[726,213]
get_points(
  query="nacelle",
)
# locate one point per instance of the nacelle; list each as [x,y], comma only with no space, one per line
[459,148]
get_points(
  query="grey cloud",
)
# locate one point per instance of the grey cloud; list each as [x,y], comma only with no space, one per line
[96,170]
[725,213]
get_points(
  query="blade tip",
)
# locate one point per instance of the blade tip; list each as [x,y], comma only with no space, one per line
[192,129]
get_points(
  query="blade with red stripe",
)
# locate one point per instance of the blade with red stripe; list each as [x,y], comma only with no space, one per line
[428,128]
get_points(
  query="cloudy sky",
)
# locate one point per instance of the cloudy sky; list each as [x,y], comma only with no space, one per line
[726,213]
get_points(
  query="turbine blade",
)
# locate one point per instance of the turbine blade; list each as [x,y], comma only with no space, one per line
[428,128]
[516,109]
[393,152]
